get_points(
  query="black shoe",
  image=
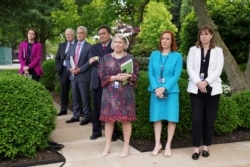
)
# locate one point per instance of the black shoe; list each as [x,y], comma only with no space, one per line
[195,156]
[72,120]
[84,121]
[62,113]
[95,136]
[205,153]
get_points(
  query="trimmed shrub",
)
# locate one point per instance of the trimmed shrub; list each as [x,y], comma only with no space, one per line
[142,128]
[27,116]
[49,75]
[242,99]
[227,118]
[184,126]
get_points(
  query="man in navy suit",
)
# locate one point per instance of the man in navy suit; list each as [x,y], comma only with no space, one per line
[99,50]
[77,61]
[62,71]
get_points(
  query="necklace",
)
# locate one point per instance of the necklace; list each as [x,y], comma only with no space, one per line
[118,56]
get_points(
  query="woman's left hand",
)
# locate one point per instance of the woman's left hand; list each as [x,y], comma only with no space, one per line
[124,76]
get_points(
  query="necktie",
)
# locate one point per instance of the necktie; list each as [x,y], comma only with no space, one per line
[77,52]
[104,47]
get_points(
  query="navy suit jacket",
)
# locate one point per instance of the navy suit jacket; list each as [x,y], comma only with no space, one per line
[60,56]
[83,62]
[96,50]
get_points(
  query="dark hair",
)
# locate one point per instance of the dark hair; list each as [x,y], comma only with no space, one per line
[36,35]
[105,27]
[209,29]
[173,42]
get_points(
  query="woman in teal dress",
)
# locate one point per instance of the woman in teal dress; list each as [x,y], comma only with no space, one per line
[164,70]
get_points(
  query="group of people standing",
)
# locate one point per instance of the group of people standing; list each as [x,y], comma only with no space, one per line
[96,69]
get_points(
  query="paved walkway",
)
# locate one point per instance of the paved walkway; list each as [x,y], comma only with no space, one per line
[79,151]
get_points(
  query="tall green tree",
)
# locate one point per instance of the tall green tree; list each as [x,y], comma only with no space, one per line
[156,19]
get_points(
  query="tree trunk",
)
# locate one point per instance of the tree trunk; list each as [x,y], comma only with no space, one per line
[236,77]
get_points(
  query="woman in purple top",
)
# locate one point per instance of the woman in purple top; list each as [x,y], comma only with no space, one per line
[118,100]
[29,55]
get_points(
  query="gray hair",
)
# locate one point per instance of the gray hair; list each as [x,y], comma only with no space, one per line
[121,36]
[70,30]
[83,28]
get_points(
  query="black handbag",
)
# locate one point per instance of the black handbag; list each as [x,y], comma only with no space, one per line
[209,89]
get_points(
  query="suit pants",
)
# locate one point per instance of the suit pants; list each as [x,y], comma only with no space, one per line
[64,92]
[204,110]
[96,100]
[81,99]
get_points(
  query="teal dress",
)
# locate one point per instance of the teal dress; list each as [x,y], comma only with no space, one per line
[165,108]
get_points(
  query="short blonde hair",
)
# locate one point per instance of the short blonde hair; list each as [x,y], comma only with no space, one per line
[121,36]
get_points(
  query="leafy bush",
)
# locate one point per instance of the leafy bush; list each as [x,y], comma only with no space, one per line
[142,128]
[242,100]
[184,126]
[27,116]
[227,118]
[49,74]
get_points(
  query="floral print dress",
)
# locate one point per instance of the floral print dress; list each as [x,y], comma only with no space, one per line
[118,103]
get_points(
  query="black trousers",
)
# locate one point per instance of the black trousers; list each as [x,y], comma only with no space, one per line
[65,86]
[34,75]
[204,111]
[96,100]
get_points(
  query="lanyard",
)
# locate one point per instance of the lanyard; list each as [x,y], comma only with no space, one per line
[162,65]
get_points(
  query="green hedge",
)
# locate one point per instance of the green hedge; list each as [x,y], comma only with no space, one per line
[27,116]
[233,111]
[49,74]
[242,100]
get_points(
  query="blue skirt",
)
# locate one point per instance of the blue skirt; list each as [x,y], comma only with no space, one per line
[164,109]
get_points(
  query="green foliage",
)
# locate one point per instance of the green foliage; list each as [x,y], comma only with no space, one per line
[184,126]
[142,129]
[232,18]
[227,117]
[242,100]
[27,116]
[188,33]
[156,19]
[232,22]
[14,71]
[67,16]
[49,74]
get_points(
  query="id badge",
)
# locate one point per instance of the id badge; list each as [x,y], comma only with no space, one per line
[202,75]
[116,84]
[161,80]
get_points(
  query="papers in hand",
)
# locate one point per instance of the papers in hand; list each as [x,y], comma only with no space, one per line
[127,67]
[72,63]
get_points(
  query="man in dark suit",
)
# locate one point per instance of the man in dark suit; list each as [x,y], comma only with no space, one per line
[99,50]
[77,61]
[62,71]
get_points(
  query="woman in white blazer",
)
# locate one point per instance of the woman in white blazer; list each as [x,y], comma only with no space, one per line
[204,66]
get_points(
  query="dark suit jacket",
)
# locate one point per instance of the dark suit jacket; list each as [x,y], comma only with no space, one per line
[60,56]
[83,62]
[96,50]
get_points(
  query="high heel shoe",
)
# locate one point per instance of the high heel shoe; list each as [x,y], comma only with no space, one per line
[154,153]
[167,153]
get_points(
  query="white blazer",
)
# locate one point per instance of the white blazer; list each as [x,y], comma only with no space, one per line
[215,68]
